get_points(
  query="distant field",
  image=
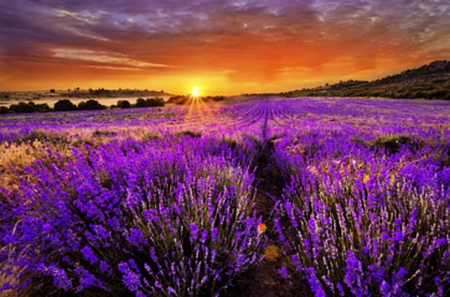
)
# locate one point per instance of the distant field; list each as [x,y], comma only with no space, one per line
[262,197]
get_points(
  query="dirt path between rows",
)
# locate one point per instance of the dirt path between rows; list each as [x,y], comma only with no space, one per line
[264,280]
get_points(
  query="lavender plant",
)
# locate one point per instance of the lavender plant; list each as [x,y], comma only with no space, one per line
[134,217]
[365,221]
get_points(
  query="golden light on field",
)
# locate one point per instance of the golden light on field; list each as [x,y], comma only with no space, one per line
[197,107]
[196,92]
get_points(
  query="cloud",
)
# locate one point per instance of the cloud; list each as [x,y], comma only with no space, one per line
[101,57]
[83,16]
[255,39]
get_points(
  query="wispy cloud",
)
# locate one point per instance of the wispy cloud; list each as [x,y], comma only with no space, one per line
[83,16]
[101,57]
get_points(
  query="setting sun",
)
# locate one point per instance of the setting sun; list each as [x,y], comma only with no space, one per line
[195,91]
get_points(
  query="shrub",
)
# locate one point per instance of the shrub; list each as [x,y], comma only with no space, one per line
[91,105]
[140,102]
[23,107]
[42,107]
[150,102]
[64,105]
[123,104]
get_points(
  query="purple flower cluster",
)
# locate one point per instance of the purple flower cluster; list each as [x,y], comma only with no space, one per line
[151,202]
[367,205]
[163,217]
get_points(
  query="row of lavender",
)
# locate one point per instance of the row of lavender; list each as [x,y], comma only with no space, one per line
[160,202]
[116,203]
[366,204]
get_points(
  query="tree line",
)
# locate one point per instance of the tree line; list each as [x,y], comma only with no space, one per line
[67,105]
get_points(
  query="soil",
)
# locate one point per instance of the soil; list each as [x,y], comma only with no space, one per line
[264,280]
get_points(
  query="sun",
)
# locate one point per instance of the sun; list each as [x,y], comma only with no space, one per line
[195,91]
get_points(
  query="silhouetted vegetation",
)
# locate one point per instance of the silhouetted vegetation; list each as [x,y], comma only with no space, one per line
[216,98]
[64,105]
[91,105]
[67,105]
[23,107]
[430,81]
[123,104]
[150,102]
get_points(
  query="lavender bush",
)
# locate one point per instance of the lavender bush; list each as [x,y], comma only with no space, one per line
[161,218]
[367,217]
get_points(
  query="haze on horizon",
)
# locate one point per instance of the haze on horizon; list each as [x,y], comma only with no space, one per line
[222,47]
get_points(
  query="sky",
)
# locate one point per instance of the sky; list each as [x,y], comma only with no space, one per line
[220,47]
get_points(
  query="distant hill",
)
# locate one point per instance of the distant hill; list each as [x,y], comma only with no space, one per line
[430,81]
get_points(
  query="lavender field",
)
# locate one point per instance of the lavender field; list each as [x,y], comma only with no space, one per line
[343,197]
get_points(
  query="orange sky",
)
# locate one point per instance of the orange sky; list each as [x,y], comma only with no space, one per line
[222,47]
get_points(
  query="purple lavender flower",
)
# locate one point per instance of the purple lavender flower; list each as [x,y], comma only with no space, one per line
[283,272]
[105,268]
[194,231]
[89,255]
[86,279]
[61,280]
[136,237]
[316,286]
[129,278]
[214,234]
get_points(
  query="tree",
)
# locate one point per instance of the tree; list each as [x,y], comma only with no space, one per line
[140,102]
[43,107]
[123,104]
[23,107]
[4,110]
[90,105]
[154,102]
[150,102]
[64,105]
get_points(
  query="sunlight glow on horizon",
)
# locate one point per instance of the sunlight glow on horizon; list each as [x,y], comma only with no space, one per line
[195,92]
